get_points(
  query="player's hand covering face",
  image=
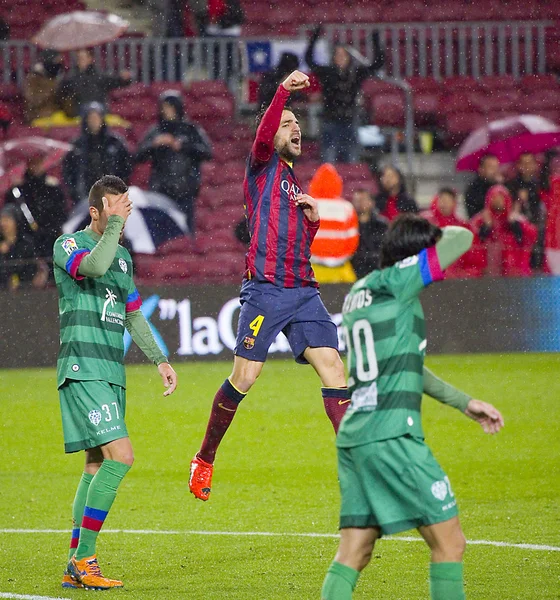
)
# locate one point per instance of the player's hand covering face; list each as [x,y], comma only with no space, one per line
[490,418]
[169,378]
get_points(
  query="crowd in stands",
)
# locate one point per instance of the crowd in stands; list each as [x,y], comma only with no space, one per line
[516,219]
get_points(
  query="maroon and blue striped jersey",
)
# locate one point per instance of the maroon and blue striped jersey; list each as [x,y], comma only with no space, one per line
[281,234]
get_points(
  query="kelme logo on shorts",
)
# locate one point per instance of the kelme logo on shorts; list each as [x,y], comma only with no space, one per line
[95,417]
[439,490]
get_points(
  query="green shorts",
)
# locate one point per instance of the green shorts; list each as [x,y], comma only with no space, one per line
[92,413]
[395,485]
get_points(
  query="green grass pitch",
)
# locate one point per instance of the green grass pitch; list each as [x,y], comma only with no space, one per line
[276,473]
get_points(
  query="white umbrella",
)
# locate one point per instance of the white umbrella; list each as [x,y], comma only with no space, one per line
[154,220]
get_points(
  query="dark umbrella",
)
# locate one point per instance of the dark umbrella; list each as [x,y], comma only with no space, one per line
[80,29]
[508,139]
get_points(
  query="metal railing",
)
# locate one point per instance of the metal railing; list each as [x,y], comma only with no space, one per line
[437,50]
[448,49]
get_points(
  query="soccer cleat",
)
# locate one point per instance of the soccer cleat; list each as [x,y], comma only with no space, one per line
[68,582]
[87,574]
[200,482]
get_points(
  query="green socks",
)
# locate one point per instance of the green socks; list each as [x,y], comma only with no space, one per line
[100,496]
[339,582]
[78,511]
[446,581]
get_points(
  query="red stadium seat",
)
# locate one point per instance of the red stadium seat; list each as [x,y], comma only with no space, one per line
[135,109]
[533,83]
[158,87]
[387,110]
[459,125]
[134,90]
[204,89]
[499,82]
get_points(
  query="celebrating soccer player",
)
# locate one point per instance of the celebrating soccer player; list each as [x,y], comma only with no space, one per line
[97,300]
[279,292]
[389,479]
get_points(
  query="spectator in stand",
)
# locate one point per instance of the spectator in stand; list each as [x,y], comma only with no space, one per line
[42,202]
[526,187]
[225,20]
[87,85]
[551,199]
[443,212]
[4,30]
[487,176]
[16,251]
[372,227]
[505,236]
[270,80]
[176,148]
[5,118]
[337,239]
[341,82]
[392,198]
[199,10]
[39,90]
[96,152]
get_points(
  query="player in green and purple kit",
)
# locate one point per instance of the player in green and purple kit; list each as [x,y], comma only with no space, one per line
[97,300]
[389,480]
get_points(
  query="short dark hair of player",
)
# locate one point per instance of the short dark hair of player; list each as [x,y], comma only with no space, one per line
[407,235]
[108,184]
[260,113]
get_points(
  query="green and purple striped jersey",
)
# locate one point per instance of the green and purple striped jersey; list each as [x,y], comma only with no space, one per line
[386,337]
[92,311]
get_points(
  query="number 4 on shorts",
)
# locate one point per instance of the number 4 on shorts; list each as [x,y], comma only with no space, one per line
[255,325]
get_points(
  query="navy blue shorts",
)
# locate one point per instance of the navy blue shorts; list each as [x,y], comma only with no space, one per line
[299,313]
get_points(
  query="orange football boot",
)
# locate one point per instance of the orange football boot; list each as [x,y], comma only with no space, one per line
[68,582]
[200,482]
[88,574]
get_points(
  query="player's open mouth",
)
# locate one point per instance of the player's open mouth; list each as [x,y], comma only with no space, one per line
[295,141]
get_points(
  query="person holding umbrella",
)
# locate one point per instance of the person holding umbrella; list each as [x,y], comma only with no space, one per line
[88,84]
[43,205]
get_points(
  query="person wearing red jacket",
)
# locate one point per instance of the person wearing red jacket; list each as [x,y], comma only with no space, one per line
[551,199]
[505,236]
[443,213]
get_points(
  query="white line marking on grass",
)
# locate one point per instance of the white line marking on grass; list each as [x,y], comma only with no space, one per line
[26,597]
[542,547]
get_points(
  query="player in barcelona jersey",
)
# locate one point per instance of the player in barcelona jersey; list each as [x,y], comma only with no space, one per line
[279,291]
[389,479]
[97,300]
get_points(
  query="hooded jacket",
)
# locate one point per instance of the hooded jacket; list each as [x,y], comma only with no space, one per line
[94,156]
[506,244]
[86,86]
[338,236]
[175,173]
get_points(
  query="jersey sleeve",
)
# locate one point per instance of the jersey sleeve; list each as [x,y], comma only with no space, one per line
[133,301]
[407,278]
[68,255]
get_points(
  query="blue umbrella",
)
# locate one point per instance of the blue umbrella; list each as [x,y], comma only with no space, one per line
[154,220]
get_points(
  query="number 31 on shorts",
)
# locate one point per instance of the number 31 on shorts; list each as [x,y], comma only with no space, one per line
[255,325]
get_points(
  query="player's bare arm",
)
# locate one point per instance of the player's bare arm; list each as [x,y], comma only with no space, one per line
[169,377]
[489,417]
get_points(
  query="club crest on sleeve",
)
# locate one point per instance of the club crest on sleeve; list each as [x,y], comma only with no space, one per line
[408,262]
[249,343]
[69,245]
[123,265]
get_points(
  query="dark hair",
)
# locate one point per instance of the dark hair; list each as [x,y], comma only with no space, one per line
[485,157]
[402,182]
[108,184]
[363,190]
[449,191]
[407,235]
[260,113]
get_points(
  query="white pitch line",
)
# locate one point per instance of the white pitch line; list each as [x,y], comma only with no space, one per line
[521,546]
[27,597]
